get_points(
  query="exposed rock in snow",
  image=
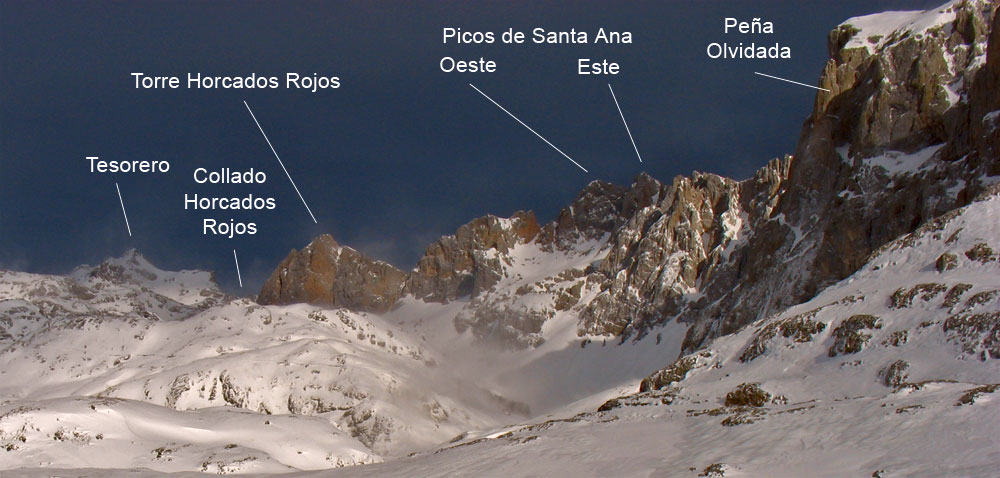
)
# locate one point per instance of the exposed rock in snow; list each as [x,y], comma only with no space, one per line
[325,272]
[471,261]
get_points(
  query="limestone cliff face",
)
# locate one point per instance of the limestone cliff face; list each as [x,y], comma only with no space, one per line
[677,238]
[471,261]
[885,150]
[983,133]
[325,272]
[888,148]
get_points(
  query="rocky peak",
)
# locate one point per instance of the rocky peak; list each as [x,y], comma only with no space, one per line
[670,244]
[596,211]
[645,191]
[464,264]
[131,268]
[471,260]
[899,80]
[132,274]
[900,83]
[760,194]
[325,272]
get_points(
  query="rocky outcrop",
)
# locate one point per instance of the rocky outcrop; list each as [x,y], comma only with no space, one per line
[325,272]
[503,324]
[464,264]
[673,242]
[597,211]
[471,261]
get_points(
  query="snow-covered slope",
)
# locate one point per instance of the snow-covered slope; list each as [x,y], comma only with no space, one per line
[170,339]
[405,382]
[117,433]
[892,372]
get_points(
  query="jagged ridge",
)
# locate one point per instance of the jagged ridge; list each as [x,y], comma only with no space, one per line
[905,133]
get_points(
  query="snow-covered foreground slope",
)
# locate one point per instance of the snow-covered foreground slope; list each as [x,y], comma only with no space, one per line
[128,330]
[904,436]
[117,433]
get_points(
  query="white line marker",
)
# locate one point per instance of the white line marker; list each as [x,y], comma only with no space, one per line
[626,122]
[279,162]
[529,128]
[790,81]
[122,201]
[238,276]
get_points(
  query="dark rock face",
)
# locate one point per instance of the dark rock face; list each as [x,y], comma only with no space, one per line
[850,336]
[747,395]
[326,273]
[946,262]
[895,374]
[674,373]
[983,134]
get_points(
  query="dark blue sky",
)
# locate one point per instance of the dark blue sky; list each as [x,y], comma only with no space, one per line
[400,154]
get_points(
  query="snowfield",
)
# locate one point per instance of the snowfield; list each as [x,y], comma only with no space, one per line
[103,338]
[118,433]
